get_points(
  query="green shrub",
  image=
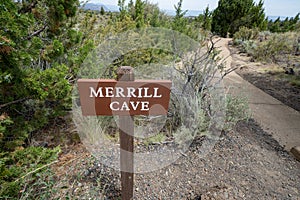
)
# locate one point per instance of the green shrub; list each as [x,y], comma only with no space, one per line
[35,65]
[295,81]
[278,46]
[23,167]
[266,46]
[48,96]
[158,138]
[245,33]
[248,47]
[237,109]
[264,35]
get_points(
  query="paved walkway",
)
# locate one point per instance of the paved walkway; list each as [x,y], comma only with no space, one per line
[281,121]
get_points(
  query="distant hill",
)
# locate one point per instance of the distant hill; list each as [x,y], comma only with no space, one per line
[113,8]
[97,6]
[190,13]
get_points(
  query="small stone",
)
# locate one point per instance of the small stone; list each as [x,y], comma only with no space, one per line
[296,152]
[226,195]
[87,173]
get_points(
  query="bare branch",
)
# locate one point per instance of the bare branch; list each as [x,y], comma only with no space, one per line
[36,170]
[229,71]
[36,33]
[13,102]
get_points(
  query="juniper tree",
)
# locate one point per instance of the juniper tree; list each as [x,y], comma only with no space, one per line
[102,11]
[179,22]
[34,38]
[230,15]
[139,17]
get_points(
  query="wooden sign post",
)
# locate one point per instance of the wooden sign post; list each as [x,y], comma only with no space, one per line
[126,127]
[124,97]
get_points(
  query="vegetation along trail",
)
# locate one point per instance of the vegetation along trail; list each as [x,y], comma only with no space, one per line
[45,47]
[281,121]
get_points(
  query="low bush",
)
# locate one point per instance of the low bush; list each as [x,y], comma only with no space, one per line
[237,109]
[278,47]
[245,33]
[295,81]
[268,47]
[23,167]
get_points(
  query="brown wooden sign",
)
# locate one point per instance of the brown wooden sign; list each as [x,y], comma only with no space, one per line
[125,97]
[111,97]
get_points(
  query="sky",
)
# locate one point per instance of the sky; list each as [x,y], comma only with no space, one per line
[288,8]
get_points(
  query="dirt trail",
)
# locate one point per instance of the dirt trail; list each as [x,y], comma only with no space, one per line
[279,120]
[245,163]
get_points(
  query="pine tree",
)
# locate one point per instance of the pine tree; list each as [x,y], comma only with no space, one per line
[139,13]
[293,22]
[102,11]
[179,22]
[286,25]
[274,26]
[230,15]
[122,9]
[207,19]
[130,4]
[131,8]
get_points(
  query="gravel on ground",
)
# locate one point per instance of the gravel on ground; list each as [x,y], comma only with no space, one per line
[246,163]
